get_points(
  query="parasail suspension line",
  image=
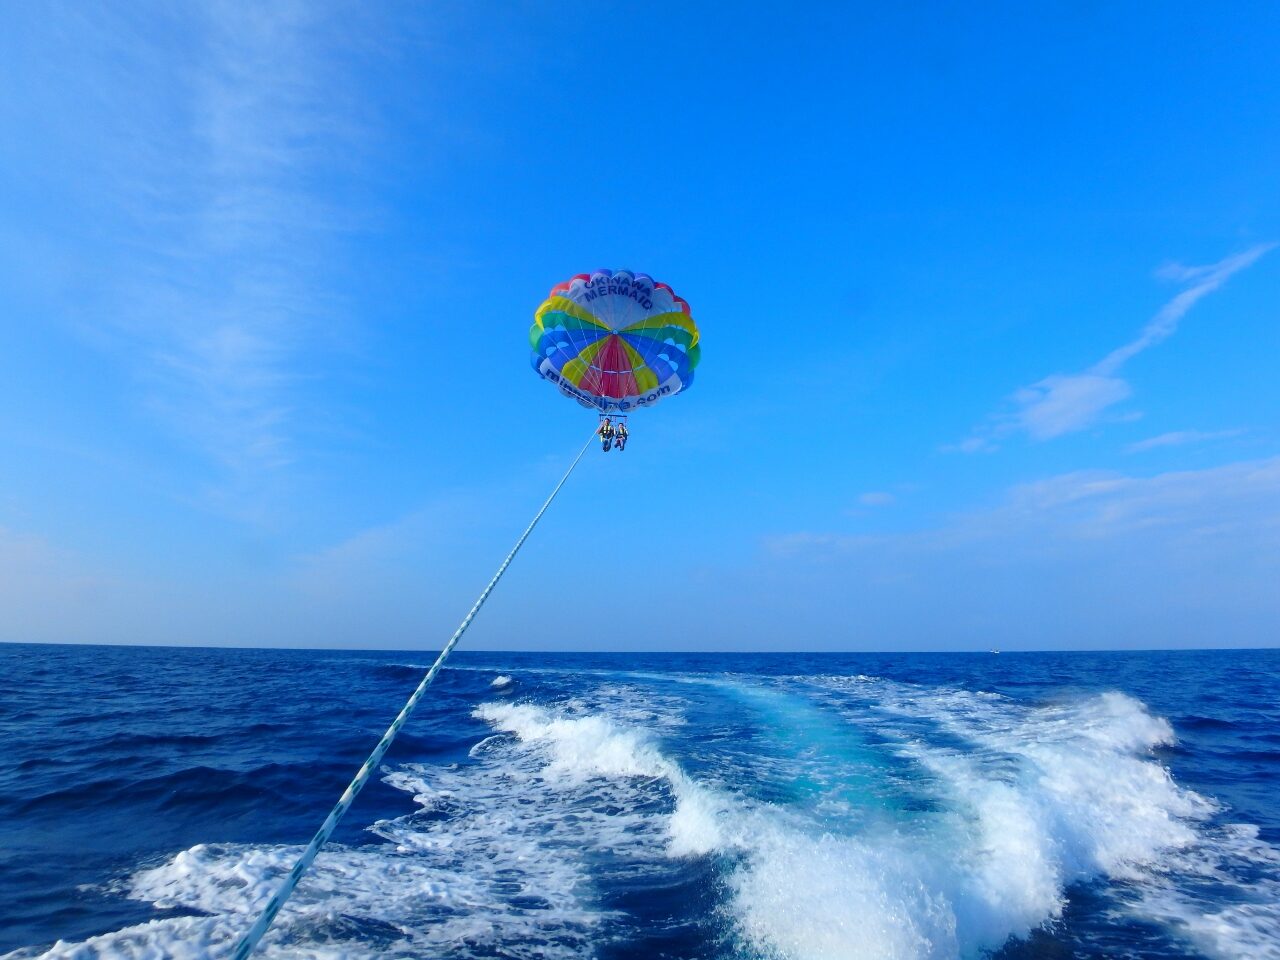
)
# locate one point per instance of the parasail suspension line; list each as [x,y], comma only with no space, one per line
[249,941]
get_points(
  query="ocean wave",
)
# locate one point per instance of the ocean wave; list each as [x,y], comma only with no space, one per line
[398,671]
[1047,797]
[1038,800]
[580,748]
[999,809]
[187,789]
[497,860]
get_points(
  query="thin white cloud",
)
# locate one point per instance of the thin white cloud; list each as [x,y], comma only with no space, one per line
[1081,560]
[1085,505]
[247,279]
[1190,504]
[212,145]
[972,444]
[876,498]
[1067,403]
[1202,280]
[1179,438]
[1062,403]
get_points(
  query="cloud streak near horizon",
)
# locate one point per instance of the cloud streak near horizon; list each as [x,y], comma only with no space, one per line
[1063,403]
[1071,560]
[1179,438]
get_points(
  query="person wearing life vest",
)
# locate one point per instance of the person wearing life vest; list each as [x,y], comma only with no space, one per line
[606,434]
[620,436]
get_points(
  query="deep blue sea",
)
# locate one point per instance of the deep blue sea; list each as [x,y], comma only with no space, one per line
[1056,805]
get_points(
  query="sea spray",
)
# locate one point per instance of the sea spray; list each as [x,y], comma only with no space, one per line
[592,745]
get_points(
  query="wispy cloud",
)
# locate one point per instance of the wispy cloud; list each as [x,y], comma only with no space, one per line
[1179,438]
[876,498]
[214,142]
[1063,403]
[1201,281]
[1085,559]
[246,271]
[1086,505]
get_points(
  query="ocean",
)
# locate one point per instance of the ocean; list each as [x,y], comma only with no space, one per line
[1019,805]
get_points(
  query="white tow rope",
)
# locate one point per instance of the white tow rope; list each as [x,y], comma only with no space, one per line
[250,940]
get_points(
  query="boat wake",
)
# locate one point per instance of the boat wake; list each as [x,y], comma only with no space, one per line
[861,818]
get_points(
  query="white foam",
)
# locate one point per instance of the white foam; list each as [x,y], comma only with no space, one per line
[493,861]
[578,748]
[797,892]
[232,883]
[1012,805]
[1041,798]
[501,682]
[1188,895]
[1097,800]
[798,895]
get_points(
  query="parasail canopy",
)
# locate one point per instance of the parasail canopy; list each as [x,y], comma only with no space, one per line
[615,340]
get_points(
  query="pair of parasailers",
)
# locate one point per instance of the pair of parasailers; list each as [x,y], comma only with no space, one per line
[613,435]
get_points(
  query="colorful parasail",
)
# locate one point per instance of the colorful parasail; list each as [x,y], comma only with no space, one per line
[615,340]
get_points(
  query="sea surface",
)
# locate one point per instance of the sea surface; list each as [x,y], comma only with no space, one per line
[1050,805]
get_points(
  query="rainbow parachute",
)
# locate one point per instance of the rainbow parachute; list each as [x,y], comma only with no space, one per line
[615,340]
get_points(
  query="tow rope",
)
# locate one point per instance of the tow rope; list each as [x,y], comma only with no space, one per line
[250,940]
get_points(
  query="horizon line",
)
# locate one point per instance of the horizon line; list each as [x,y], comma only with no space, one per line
[426,651]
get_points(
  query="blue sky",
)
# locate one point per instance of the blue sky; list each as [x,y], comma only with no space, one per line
[989,309]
